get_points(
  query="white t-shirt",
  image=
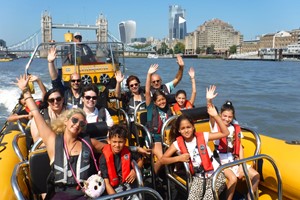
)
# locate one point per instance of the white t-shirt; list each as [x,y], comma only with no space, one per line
[194,153]
[93,117]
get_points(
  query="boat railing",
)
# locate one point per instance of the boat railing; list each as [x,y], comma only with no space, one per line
[257,139]
[133,191]
[243,162]
[16,147]
[18,182]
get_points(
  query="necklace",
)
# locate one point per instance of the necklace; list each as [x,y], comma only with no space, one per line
[73,147]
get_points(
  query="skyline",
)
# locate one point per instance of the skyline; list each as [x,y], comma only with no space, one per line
[250,18]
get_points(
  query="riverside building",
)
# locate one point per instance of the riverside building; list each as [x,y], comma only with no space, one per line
[127,31]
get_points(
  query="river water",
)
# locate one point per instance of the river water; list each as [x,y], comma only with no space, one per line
[265,94]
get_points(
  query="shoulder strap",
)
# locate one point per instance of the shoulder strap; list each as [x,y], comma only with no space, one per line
[101,115]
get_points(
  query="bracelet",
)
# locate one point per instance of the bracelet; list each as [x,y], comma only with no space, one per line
[34,109]
[51,62]
[25,90]
[28,98]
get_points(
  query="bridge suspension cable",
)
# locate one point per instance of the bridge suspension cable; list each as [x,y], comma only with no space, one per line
[28,43]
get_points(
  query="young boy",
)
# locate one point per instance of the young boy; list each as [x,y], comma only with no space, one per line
[115,162]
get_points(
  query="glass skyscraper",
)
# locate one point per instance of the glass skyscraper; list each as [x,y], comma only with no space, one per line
[127,31]
[177,22]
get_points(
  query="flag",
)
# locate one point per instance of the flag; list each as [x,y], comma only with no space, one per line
[181,20]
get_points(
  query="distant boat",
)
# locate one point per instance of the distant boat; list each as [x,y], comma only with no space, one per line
[150,55]
[166,56]
[5,59]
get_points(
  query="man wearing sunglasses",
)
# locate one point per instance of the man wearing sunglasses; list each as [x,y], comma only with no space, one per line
[156,81]
[72,93]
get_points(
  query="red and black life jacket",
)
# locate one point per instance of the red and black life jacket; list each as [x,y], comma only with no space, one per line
[125,164]
[155,124]
[201,145]
[223,145]
[187,105]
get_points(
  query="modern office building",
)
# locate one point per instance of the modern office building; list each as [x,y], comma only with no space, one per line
[177,22]
[127,31]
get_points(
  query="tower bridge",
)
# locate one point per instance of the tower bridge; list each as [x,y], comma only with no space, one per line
[44,35]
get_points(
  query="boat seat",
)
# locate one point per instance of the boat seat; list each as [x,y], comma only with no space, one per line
[39,170]
[97,130]
[198,113]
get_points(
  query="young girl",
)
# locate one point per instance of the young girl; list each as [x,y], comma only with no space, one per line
[158,111]
[230,148]
[193,148]
[181,101]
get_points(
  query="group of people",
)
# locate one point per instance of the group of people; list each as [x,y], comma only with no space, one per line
[62,120]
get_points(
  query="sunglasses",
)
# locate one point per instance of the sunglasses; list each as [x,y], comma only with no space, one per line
[78,37]
[90,97]
[75,80]
[57,99]
[75,120]
[134,85]
[156,81]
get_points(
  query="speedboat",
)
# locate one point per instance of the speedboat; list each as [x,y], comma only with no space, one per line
[5,59]
[276,160]
[150,55]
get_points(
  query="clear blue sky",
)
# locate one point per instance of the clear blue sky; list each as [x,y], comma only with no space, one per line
[21,18]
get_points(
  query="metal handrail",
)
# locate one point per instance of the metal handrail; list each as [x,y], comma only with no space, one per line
[37,145]
[16,146]
[126,118]
[257,139]
[147,190]
[137,108]
[244,162]
[14,180]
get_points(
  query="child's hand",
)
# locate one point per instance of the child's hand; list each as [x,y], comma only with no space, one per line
[153,68]
[192,73]
[210,92]
[143,151]
[211,110]
[184,157]
[131,177]
[22,82]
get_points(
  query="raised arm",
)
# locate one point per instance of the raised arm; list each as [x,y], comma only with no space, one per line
[210,95]
[42,87]
[223,129]
[51,67]
[194,91]
[178,76]
[47,135]
[152,69]
[119,79]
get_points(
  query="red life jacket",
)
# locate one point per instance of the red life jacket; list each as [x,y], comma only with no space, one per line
[187,105]
[223,145]
[125,162]
[206,162]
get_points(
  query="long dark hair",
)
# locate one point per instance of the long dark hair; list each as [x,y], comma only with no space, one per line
[45,103]
[174,132]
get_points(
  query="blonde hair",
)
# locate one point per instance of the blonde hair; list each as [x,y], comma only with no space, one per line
[58,125]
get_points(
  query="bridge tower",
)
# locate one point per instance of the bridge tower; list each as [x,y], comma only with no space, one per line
[102,30]
[46,26]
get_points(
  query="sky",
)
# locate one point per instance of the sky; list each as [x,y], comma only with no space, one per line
[20,19]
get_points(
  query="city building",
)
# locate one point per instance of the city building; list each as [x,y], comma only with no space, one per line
[2,45]
[127,31]
[177,22]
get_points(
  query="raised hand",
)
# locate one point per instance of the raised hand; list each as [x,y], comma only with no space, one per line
[153,68]
[211,110]
[22,82]
[51,54]
[192,73]
[33,78]
[180,60]
[119,76]
[210,92]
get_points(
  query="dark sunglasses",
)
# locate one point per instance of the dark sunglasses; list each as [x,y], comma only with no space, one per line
[76,80]
[75,120]
[156,81]
[78,37]
[57,99]
[135,84]
[89,97]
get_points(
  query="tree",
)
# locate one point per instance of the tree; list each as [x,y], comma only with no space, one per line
[179,48]
[232,49]
[210,49]
[198,50]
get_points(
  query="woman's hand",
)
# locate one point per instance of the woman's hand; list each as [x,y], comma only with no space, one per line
[51,54]
[180,61]
[119,76]
[22,82]
[192,73]
[210,92]
[153,68]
